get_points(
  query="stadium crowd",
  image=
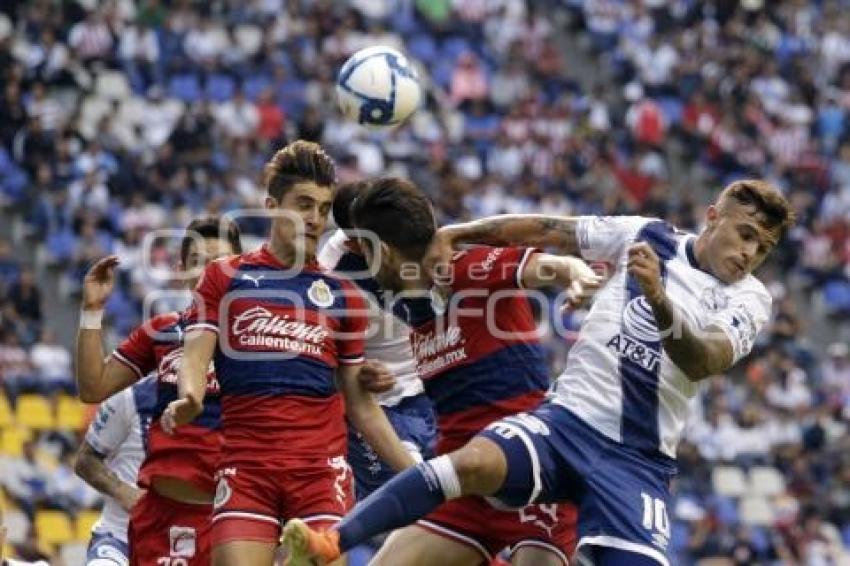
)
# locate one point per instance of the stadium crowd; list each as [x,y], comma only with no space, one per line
[119,118]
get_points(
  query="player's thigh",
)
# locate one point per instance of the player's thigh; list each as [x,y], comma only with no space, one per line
[242,552]
[415,546]
[593,555]
[536,556]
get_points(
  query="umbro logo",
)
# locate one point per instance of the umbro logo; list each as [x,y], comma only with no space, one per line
[253,279]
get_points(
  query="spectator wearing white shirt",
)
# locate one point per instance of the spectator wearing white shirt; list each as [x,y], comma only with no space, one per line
[138,50]
[238,118]
[52,363]
[204,43]
[91,39]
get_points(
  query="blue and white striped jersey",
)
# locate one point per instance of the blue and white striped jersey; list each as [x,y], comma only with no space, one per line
[618,378]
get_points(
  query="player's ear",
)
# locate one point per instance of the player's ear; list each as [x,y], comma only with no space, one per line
[711,215]
[270,203]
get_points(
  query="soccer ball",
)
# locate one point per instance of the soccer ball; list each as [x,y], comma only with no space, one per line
[378,88]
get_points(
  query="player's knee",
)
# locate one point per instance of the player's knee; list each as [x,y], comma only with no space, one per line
[480,466]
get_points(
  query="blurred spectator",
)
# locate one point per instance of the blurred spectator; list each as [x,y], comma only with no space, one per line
[52,363]
[469,81]
[26,481]
[25,296]
[238,117]
[91,39]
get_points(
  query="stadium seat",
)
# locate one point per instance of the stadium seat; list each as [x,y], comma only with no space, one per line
[6,417]
[12,441]
[219,87]
[85,522]
[73,553]
[729,481]
[35,412]
[185,86]
[70,413]
[756,510]
[53,527]
[254,85]
[112,85]
[17,526]
[766,481]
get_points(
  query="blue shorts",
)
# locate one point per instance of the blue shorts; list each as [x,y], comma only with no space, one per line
[622,494]
[106,550]
[413,421]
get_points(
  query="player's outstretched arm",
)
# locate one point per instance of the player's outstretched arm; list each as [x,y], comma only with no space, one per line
[366,416]
[565,272]
[699,353]
[91,468]
[97,378]
[534,230]
[192,379]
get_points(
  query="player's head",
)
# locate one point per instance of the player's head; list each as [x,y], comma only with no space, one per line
[299,180]
[208,238]
[742,227]
[345,195]
[401,218]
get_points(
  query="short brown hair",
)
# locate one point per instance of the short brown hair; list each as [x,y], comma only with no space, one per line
[298,162]
[767,199]
[210,226]
[398,213]
[345,195]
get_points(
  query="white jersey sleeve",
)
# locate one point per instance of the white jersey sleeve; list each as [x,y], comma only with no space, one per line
[747,312]
[112,424]
[604,238]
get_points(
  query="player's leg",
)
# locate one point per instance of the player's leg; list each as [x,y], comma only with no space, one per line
[239,552]
[591,555]
[416,546]
[529,555]
[409,496]
[245,523]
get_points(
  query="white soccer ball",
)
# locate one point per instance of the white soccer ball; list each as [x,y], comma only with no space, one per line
[377,87]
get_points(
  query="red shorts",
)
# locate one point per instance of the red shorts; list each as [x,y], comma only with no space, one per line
[475,522]
[162,529]
[253,499]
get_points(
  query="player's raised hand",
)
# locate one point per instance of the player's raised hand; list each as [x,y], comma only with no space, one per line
[438,258]
[99,282]
[375,377]
[179,412]
[644,265]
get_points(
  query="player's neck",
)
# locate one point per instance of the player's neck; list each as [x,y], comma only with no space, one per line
[700,253]
[285,252]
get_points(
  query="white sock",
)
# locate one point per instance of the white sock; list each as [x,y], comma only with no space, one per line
[447,476]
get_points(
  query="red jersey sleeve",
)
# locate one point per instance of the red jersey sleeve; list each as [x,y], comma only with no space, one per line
[350,345]
[206,299]
[490,268]
[137,350]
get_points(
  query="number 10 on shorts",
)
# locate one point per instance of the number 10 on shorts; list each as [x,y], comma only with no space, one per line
[655,516]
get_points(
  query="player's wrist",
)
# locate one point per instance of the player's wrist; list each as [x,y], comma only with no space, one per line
[91,318]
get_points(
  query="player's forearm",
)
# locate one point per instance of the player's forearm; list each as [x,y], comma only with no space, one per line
[192,382]
[368,418]
[92,470]
[697,354]
[536,230]
[90,366]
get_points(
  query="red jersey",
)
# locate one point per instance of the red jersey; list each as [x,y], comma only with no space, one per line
[479,355]
[192,453]
[282,334]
